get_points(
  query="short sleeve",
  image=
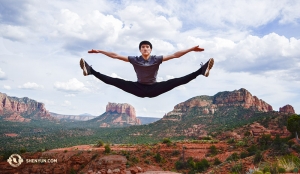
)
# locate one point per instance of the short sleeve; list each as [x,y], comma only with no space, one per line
[131,59]
[159,58]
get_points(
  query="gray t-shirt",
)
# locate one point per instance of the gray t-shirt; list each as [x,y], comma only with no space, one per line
[146,70]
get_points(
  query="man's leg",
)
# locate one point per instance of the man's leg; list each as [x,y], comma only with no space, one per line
[162,87]
[127,86]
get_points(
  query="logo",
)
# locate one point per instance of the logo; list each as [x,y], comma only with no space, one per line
[15,160]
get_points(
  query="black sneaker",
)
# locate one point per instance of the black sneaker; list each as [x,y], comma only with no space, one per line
[85,67]
[207,66]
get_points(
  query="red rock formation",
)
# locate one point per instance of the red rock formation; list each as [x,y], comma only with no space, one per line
[241,97]
[15,109]
[122,108]
[114,115]
[288,109]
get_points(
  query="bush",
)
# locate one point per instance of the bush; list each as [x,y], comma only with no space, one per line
[202,165]
[158,158]
[237,168]
[252,150]
[180,165]
[99,143]
[233,157]
[107,148]
[217,161]
[281,170]
[135,160]
[23,150]
[175,153]
[147,161]
[244,155]
[213,150]
[166,141]
[258,157]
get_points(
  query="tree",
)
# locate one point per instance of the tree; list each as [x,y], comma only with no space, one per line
[293,124]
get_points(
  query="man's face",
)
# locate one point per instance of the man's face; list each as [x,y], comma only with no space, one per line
[145,50]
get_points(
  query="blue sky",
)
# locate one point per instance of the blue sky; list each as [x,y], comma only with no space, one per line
[256,45]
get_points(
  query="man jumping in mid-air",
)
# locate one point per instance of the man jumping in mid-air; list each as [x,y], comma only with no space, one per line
[146,67]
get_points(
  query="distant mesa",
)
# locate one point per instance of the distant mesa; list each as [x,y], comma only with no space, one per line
[22,109]
[82,117]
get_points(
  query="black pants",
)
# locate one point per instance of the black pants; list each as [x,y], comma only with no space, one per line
[143,90]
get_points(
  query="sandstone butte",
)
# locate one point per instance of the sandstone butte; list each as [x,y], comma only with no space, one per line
[12,109]
[114,111]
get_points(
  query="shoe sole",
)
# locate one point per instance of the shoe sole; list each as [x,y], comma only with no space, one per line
[82,65]
[210,65]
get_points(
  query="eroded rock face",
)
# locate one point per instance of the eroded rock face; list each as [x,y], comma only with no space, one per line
[208,105]
[288,109]
[22,109]
[118,114]
[241,97]
[122,108]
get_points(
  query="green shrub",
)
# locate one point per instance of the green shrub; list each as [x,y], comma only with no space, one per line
[107,148]
[166,141]
[135,160]
[258,157]
[213,150]
[237,168]
[217,161]
[23,150]
[175,153]
[233,157]
[281,170]
[180,165]
[158,158]
[244,155]
[99,143]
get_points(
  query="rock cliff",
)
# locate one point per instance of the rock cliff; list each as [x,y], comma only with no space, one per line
[210,104]
[287,109]
[22,109]
[118,115]
[121,108]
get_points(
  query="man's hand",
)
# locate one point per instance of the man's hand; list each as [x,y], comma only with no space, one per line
[197,48]
[93,51]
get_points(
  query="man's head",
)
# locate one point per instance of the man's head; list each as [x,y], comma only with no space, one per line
[145,42]
[145,48]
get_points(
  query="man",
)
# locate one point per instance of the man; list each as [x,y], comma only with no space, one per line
[146,67]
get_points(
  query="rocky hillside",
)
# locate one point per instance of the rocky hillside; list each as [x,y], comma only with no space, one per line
[117,115]
[22,109]
[206,115]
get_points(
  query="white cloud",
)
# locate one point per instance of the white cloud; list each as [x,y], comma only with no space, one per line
[2,75]
[73,85]
[70,95]
[67,103]
[30,86]
[168,77]
[6,87]
[114,75]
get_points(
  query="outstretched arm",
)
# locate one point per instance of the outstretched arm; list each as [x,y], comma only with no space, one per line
[183,52]
[110,54]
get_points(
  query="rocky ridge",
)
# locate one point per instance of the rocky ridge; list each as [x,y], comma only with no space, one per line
[210,104]
[22,109]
